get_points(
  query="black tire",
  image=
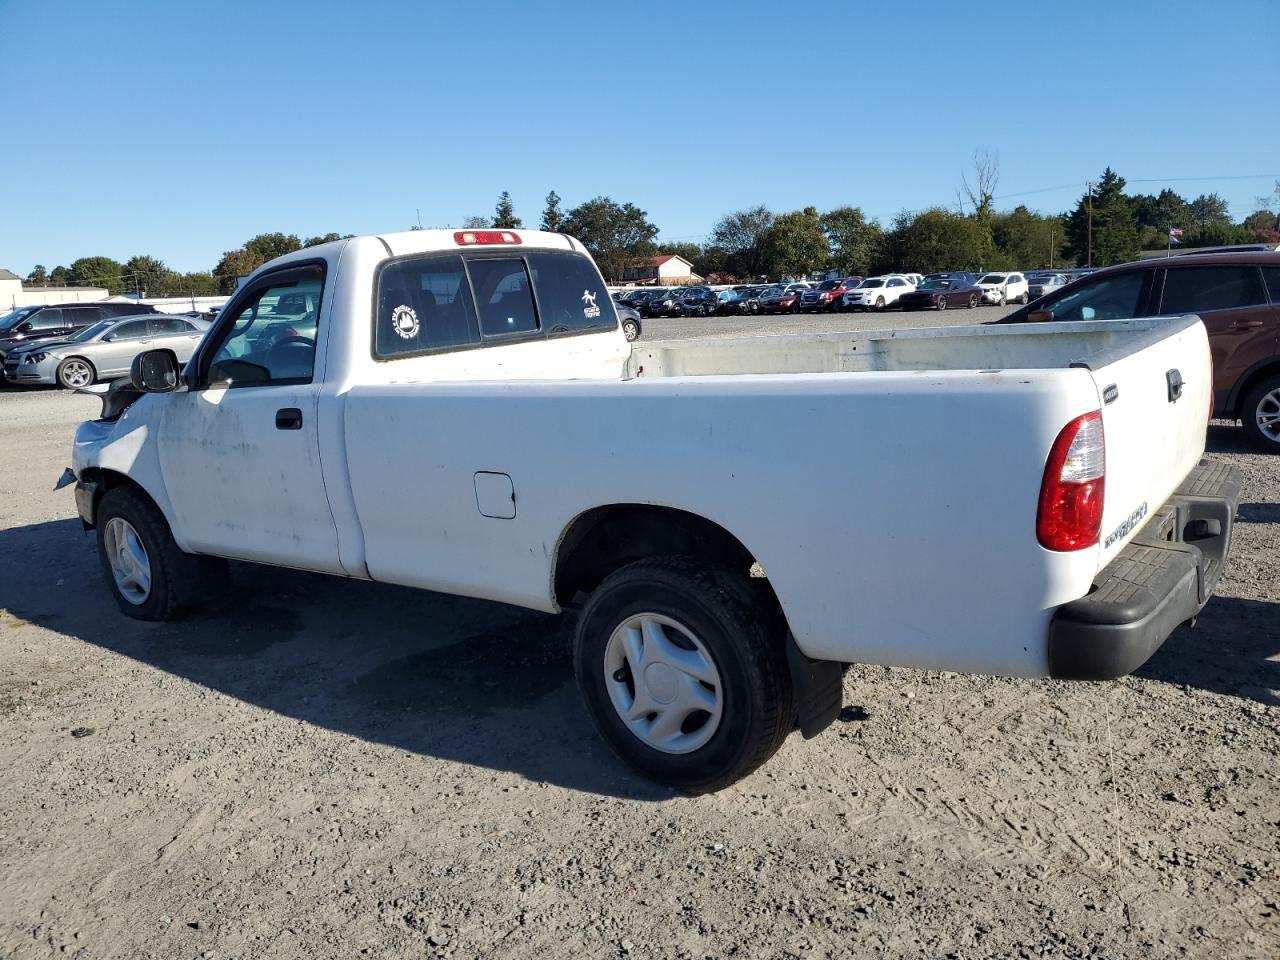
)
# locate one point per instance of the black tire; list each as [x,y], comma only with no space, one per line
[1249,411]
[973,301]
[880,304]
[795,307]
[630,330]
[62,373]
[942,303]
[722,609]
[1023,299]
[179,580]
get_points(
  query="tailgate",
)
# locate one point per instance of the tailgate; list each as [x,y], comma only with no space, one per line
[1155,413]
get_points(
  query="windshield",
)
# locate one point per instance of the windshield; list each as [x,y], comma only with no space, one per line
[828,284]
[88,333]
[993,278]
[934,285]
[15,318]
[873,282]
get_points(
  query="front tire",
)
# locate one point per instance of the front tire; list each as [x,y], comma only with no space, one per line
[75,373]
[973,301]
[942,303]
[630,330]
[149,576]
[1260,415]
[682,675]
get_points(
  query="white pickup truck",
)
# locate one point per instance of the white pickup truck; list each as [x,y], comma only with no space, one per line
[731,521]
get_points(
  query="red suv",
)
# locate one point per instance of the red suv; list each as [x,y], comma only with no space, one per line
[828,295]
[1236,295]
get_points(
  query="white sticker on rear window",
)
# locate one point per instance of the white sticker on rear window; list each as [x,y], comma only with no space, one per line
[404,321]
[590,311]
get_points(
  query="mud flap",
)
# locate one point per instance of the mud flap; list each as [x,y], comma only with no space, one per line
[818,689]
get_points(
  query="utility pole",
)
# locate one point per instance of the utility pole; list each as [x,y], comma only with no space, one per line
[1051,248]
[1090,190]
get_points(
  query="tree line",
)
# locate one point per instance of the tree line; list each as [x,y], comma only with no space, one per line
[1107,225]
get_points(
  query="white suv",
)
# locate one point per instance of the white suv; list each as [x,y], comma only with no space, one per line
[877,293]
[1002,288]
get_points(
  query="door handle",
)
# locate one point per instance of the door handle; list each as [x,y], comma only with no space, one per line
[290,418]
[1247,324]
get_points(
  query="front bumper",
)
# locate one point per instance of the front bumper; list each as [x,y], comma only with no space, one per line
[1161,579]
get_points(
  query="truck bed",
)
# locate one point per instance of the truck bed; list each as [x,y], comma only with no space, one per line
[1037,346]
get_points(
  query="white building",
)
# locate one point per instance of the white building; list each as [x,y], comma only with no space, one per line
[667,269]
[13,295]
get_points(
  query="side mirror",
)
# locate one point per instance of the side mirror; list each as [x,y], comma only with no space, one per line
[24,327]
[155,371]
[1040,316]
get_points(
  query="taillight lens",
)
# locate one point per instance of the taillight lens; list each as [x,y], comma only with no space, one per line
[1070,513]
[466,238]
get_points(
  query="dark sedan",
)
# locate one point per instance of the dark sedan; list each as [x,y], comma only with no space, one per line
[630,320]
[662,303]
[699,302]
[780,300]
[957,291]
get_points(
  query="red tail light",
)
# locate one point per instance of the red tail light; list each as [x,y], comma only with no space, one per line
[466,238]
[1070,514]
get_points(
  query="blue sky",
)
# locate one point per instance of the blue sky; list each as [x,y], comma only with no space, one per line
[182,129]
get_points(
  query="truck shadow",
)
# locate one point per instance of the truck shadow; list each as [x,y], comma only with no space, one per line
[466,680]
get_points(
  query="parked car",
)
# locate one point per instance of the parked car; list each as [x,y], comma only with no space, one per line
[1044,284]
[481,361]
[1237,295]
[827,295]
[102,351]
[1002,288]
[877,293]
[58,321]
[780,299]
[699,302]
[629,317]
[748,301]
[664,303]
[951,290]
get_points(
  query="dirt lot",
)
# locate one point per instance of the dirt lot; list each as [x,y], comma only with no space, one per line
[329,769]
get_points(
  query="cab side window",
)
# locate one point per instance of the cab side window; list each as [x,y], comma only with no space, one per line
[1272,275]
[165,326]
[1201,289]
[133,330]
[271,337]
[50,319]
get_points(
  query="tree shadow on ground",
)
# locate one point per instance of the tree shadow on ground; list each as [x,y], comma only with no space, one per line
[467,680]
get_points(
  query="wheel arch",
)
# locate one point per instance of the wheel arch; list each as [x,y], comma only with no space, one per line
[1246,382]
[107,479]
[604,538]
[93,367]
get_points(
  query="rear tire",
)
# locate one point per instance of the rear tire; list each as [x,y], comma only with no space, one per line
[148,575]
[973,301]
[942,303]
[1260,414]
[630,330]
[711,619]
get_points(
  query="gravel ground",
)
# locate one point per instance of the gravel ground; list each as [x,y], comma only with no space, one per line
[334,769]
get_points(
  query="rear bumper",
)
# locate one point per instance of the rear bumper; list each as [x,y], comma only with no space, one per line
[1161,579]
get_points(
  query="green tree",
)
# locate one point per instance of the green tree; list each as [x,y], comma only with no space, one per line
[1261,220]
[981,195]
[97,272]
[933,241]
[1024,239]
[196,284]
[37,277]
[504,214]
[475,223]
[690,251]
[614,233]
[714,261]
[144,274]
[326,238]
[59,276]
[1209,210]
[265,247]
[553,216]
[854,241]
[742,234]
[796,245]
[1115,229]
[233,265]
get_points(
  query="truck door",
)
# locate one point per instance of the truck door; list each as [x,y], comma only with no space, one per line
[239,450]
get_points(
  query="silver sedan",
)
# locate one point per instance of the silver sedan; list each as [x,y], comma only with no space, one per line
[104,350]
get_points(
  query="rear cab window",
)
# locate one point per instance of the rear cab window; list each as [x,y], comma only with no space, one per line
[436,302]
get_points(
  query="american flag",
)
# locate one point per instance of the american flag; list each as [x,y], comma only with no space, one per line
[1175,234]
